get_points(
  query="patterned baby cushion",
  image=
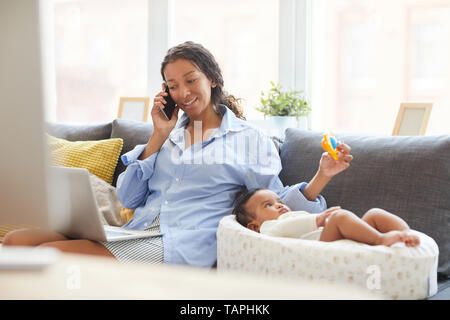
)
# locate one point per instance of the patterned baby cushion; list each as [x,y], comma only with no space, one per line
[396,272]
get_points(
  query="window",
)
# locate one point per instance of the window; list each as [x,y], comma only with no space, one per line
[369,56]
[100,55]
[242,35]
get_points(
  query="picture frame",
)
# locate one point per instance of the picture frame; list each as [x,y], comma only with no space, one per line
[133,108]
[412,119]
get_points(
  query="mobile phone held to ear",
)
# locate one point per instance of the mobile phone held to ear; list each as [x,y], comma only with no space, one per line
[169,107]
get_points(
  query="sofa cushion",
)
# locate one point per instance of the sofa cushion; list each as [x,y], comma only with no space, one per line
[406,175]
[79,132]
[99,157]
[132,133]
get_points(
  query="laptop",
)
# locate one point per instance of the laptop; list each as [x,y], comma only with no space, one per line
[74,211]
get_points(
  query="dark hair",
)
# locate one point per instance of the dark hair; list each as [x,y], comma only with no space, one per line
[206,62]
[243,216]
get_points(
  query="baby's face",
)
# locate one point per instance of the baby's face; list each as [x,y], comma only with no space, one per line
[265,205]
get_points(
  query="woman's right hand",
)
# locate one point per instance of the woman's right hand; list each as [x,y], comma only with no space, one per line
[162,126]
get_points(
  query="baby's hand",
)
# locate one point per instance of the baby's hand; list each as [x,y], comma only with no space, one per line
[322,217]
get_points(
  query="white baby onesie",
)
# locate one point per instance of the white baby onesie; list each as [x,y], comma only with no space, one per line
[293,224]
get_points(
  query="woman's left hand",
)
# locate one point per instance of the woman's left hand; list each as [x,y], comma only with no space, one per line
[330,167]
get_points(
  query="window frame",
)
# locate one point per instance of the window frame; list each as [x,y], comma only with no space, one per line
[294,46]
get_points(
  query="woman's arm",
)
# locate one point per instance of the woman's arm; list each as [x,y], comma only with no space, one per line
[162,126]
[132,184]
[315,186]
[153,145]
[328,168]
[264,173]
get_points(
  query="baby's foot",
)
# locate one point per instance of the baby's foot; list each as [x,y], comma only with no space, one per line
[389,238]
[411,240]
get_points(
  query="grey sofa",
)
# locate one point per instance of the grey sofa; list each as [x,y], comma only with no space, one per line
[409,176]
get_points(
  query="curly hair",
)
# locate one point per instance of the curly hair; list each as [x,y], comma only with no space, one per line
[205,61]
[243,216]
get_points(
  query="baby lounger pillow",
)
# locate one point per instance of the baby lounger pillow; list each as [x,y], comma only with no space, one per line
[396,272]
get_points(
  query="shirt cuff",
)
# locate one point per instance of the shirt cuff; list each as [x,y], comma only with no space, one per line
[146,166]
[302,186]
[295,200]
[132,155]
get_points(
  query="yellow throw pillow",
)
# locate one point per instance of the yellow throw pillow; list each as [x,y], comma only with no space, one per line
[127,214]
[99,156]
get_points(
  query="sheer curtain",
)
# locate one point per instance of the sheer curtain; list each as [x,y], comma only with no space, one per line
[100,55]
[242,35]
[369,56]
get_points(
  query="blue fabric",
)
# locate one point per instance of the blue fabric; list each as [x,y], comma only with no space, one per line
[193,189]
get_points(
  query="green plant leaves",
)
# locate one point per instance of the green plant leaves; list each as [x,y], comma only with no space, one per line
[283,103]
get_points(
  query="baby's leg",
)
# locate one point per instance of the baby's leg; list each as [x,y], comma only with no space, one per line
[385,222]
[346,225]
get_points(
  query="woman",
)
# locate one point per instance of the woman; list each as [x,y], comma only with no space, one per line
[186,178]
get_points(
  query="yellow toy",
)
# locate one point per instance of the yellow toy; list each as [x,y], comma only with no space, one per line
[329,144]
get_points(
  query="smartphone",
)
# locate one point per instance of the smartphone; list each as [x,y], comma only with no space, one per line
[169,107]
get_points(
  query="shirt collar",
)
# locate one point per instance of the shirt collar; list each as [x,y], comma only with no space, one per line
[229,123]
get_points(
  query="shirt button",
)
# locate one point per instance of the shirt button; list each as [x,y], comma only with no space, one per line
[176,179]
[145,224]
[166,202]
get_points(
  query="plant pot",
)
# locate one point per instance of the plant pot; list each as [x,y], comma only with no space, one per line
[276,125]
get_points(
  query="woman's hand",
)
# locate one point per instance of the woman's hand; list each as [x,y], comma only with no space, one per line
[322,217]
[330,167]
[162,126]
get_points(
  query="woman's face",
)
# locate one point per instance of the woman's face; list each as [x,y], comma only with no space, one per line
[188,86]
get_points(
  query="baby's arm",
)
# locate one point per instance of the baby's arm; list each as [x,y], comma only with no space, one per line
[322,217]
[296,224]
[290,224]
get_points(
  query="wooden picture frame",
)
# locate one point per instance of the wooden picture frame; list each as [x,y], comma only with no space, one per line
[134,108]
[412,119]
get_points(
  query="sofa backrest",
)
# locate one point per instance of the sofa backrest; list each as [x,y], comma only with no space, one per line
[132,133]
[408,176]
[79,132]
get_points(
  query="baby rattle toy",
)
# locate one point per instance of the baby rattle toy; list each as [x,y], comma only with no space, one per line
[329,144]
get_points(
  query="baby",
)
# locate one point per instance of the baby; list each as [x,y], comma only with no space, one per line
[261,210]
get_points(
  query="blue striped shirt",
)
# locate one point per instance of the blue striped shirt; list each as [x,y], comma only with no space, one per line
[193,189]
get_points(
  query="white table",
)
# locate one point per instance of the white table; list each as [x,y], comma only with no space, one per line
[85,277]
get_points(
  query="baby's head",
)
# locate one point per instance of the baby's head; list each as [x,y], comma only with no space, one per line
[253,207]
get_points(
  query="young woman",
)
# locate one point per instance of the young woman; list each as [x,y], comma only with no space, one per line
[186,178]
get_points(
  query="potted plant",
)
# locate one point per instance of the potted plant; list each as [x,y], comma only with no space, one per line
[284,108]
